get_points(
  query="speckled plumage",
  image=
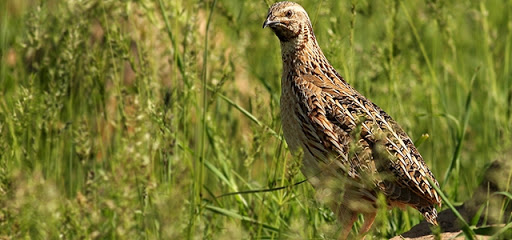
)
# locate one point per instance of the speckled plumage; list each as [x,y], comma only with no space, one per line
[341,134]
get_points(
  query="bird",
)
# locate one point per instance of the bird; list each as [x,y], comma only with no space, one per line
[350,148]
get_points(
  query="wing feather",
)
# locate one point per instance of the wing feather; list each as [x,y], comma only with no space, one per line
[335,112]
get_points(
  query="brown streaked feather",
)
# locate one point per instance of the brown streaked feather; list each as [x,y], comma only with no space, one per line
[335,108]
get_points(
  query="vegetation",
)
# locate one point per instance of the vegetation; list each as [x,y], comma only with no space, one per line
[128,119]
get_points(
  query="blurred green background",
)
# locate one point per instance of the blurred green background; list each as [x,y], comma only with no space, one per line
[127,119]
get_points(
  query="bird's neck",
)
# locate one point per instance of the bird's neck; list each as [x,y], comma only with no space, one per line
[303,56]
[300,53]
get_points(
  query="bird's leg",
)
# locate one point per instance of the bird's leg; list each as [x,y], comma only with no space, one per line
[368,222]
[346,218]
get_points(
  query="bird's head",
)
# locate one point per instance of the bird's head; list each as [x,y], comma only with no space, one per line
[288,20]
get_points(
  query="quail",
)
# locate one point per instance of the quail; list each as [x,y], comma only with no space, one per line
[349,145]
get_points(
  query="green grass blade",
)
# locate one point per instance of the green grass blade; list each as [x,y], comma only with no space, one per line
[249,115]
[461,134]
[465,227]
[235,215]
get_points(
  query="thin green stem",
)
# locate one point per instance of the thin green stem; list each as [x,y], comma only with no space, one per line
[465,227]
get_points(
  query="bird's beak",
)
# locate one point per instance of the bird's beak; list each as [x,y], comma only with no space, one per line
[269,23]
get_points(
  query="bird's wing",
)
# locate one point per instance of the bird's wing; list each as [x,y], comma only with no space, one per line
[368,140]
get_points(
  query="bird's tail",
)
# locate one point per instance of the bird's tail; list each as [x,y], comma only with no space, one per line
[430,213]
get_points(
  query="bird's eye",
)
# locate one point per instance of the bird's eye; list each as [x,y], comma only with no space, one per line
[289,13]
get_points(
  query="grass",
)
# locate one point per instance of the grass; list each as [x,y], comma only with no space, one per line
[129,119]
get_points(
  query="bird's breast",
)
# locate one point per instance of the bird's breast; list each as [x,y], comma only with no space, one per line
[292,129]
[298,134]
